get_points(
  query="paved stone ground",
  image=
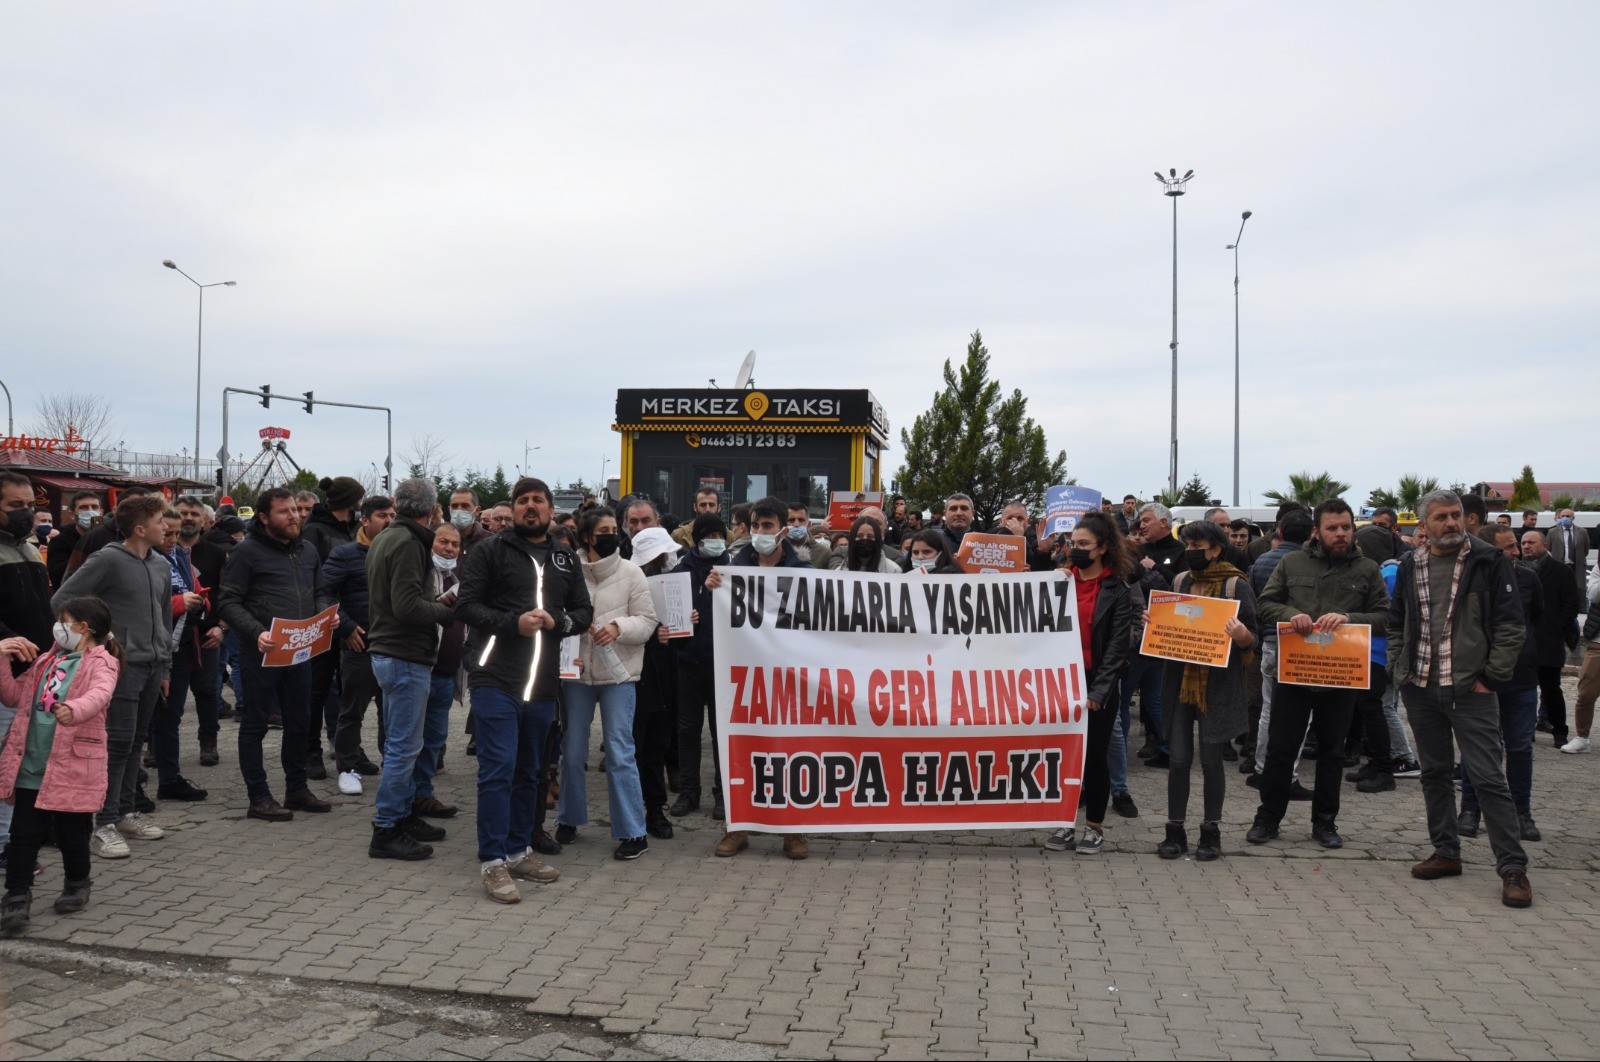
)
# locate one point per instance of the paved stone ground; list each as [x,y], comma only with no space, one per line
[895,946]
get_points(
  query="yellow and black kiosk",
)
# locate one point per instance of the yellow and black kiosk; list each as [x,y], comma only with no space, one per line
[797,445]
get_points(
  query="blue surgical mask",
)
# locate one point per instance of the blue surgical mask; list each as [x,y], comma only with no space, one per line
[713,547]
[797,533]
[1565,521]
[444,564]
[925,565]
[766,545]
[87,518]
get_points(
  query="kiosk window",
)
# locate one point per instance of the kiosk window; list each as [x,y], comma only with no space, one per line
[761,480]
[814,490]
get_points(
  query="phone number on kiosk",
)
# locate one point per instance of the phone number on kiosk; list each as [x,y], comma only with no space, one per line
[746,439]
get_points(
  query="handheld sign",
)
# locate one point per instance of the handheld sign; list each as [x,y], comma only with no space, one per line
[983,554]
[845,505]
[1063,506]
[672,596]
[1191,630]
[300,640]
[571,666]
[1340,658]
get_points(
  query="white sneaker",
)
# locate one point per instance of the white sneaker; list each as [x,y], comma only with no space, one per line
[349,783]
[107,843]
[1576,745]
[139,827]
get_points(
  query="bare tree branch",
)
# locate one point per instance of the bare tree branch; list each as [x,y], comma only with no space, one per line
[91,415]
[426,456]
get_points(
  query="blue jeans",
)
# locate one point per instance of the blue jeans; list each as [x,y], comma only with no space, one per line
[1117,755]
[1144,676]
[511,735]
[229,658]
[435,732]
[405,706]
[1519,712]
[622,768]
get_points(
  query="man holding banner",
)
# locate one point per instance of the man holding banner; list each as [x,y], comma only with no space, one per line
[1315,590]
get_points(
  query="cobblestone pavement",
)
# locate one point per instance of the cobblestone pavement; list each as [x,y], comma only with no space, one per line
[894,946]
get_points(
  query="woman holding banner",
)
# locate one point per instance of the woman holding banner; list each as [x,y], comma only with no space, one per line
[1100,563]
[1212,699]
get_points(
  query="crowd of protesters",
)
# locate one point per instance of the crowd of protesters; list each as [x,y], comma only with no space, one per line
[139,611]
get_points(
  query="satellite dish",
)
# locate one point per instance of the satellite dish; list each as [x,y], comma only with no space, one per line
[747,367]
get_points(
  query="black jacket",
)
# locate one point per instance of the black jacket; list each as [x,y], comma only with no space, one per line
[344,574]
[1557,628]
[697,648]
[747,557]
[1108,640]
[265,579]
[208,559]
[61,548]
[1167,552]
[24,597]
[326,531]
[496,589]
[1526,673]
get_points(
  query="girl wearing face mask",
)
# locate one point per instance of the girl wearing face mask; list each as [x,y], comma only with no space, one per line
[928,553]
[1211,700]
[696,688]
[864,551]
[53,763]
[611,653]
[1100,563]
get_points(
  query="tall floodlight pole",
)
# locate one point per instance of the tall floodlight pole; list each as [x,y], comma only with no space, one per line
[199,338]
[1234,247]
[1173,186]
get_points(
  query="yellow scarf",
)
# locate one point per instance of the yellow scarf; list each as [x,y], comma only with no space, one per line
[1211,582]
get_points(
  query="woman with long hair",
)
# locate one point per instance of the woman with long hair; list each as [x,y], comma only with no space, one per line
[1100,565]
[928,552]
[864,549]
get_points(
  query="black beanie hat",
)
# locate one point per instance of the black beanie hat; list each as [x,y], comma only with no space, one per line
[707,524]
[342,492]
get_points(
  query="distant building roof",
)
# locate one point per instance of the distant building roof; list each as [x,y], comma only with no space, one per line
[46,461]
[1584,492]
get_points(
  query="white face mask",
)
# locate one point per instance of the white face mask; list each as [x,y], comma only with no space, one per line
[925,565]
[713,547]
[444,564]
[461,518]
[765,545]
[87,517]
[67,638]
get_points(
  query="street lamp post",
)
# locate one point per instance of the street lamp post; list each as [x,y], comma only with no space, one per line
[199,336]
[11,428]
[1173,186]
[1234,247]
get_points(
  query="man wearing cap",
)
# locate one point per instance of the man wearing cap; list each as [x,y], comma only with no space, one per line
[330,524]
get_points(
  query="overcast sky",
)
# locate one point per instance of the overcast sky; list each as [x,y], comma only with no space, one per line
[489,217]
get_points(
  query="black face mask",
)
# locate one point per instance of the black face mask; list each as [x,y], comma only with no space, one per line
[1080,558]
[605,545]
[1196,559]
[865,548]
[19,522]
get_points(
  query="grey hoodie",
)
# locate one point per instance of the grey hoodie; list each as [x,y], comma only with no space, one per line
[139,595]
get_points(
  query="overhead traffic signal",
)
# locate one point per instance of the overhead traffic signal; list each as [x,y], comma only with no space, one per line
[309,401]
[266,396]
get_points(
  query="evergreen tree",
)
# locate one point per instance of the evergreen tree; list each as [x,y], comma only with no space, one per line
[973,441]
[1524,491]
[1195,492]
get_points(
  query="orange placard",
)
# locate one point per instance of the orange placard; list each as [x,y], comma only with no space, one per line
[845,505]
[1189,629]
[300,640]
[987,554]
[1341,659]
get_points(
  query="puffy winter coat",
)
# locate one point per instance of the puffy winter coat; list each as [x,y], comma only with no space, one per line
[620,595]
[75,775]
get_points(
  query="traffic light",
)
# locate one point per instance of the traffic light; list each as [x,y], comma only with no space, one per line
[309,401]
[386,484]
[266,396]
[219,479]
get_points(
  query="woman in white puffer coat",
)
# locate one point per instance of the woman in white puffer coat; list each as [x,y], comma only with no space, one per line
[612,653]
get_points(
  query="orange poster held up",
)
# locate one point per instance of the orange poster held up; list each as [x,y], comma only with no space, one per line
[983,554]
[299,640]
[1340,658]
[1188,629]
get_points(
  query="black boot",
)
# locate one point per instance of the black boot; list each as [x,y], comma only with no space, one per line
[316,769]
[688,801]
[74,897]
[1210,846]
[420,829]
[657,825]
[394,843]
[14,911]
[1176,844]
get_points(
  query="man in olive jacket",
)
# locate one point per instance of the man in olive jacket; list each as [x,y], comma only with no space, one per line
[1455,629]
[403,643]
[1319,588]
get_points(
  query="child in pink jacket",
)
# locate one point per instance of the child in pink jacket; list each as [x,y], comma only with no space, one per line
[53,762]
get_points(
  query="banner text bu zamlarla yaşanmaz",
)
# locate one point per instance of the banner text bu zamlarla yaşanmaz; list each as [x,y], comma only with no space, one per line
[850,701]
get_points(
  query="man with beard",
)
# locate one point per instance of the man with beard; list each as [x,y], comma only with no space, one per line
[1319,588]
[1455,631]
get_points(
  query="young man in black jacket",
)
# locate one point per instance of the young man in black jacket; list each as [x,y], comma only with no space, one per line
[520,595]
[329,526]
[273,574]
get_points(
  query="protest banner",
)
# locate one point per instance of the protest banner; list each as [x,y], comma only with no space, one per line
[984,554]
[1064,504]
[845,505]
[1189,629]
[853,702]
[1340,658]
[299,640]
[571,667]
[673,599]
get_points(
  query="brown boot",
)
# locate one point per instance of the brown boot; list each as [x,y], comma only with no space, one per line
[208,752]
[306,800]
[733,843]
[269,810]
[433,808]
[795,847]
[1515,890]
[1437,866]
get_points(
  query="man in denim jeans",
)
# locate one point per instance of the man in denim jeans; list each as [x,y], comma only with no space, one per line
[520,595]
[403,643]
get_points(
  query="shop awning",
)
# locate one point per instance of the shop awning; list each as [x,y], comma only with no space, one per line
[70,483]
